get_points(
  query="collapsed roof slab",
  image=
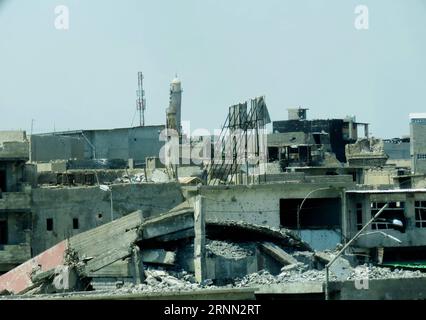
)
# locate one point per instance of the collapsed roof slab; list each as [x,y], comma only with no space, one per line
[18,280]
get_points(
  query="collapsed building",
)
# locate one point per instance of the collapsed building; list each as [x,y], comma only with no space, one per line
[306,142]
[205,246]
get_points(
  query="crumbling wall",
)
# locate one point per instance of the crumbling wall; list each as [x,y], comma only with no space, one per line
[13,145]
[376,177]
[257,204]
[366,152]
[242,204]
[14,174]
[91,206]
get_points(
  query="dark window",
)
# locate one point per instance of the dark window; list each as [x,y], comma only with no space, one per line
[395,210]
[49,224]
[420,211]
[100,215]
[3,232]
[3,180]
[75,223]
[273,154]
[317,138]
[316,213]
[359,216]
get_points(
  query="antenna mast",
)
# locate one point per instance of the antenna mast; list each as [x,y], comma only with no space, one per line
[140,100]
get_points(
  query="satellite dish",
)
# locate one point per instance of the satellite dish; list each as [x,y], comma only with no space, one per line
[397,223]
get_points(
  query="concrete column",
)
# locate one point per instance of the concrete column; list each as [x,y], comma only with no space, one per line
[200,240]
[344,217]
[410,211]
[366,130]
[366,212]
[137,266]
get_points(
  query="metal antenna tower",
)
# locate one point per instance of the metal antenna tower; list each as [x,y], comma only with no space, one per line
[140,100]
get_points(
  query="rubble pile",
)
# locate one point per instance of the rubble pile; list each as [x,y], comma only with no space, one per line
[229,250]
[373,272]
[302,273]
[160,281]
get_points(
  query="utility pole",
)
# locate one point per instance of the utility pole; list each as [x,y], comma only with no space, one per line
[140,100]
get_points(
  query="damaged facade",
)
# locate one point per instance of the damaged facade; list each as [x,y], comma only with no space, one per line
[15,197]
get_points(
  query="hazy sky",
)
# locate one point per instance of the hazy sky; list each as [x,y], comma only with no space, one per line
[295,52]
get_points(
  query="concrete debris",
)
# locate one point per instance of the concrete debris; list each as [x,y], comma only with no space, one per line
[366,152]
[229,250]
[341,268]
[305,257]
[131,178]
[284,237]
[159,176]
[158,256]
[373,272]
[301,273]
[277,253]
[162,281]
[293,266]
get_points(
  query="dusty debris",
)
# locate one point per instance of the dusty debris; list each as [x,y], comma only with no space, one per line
[163,281]
[240,229]
[277,253]
[229,250]
[305,257]
[301,273]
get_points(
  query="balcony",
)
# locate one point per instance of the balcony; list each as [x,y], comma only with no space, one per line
[15,150]
[13,255]
[15,201]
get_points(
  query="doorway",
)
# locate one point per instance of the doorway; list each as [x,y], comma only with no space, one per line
[3,183]
[3,232]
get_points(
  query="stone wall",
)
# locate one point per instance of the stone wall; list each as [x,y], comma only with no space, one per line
[257,204]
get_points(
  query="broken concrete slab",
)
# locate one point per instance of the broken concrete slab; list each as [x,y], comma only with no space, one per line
[42,276]
[19,279]
[277,253]
[177,235]
[117,269]
[158,256]
[107,243]
[168,223]
[242,230]
[323,257]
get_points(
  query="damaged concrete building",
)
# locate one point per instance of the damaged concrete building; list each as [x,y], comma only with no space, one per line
[135,143]
[95,214]
[306,142]
[15,201]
